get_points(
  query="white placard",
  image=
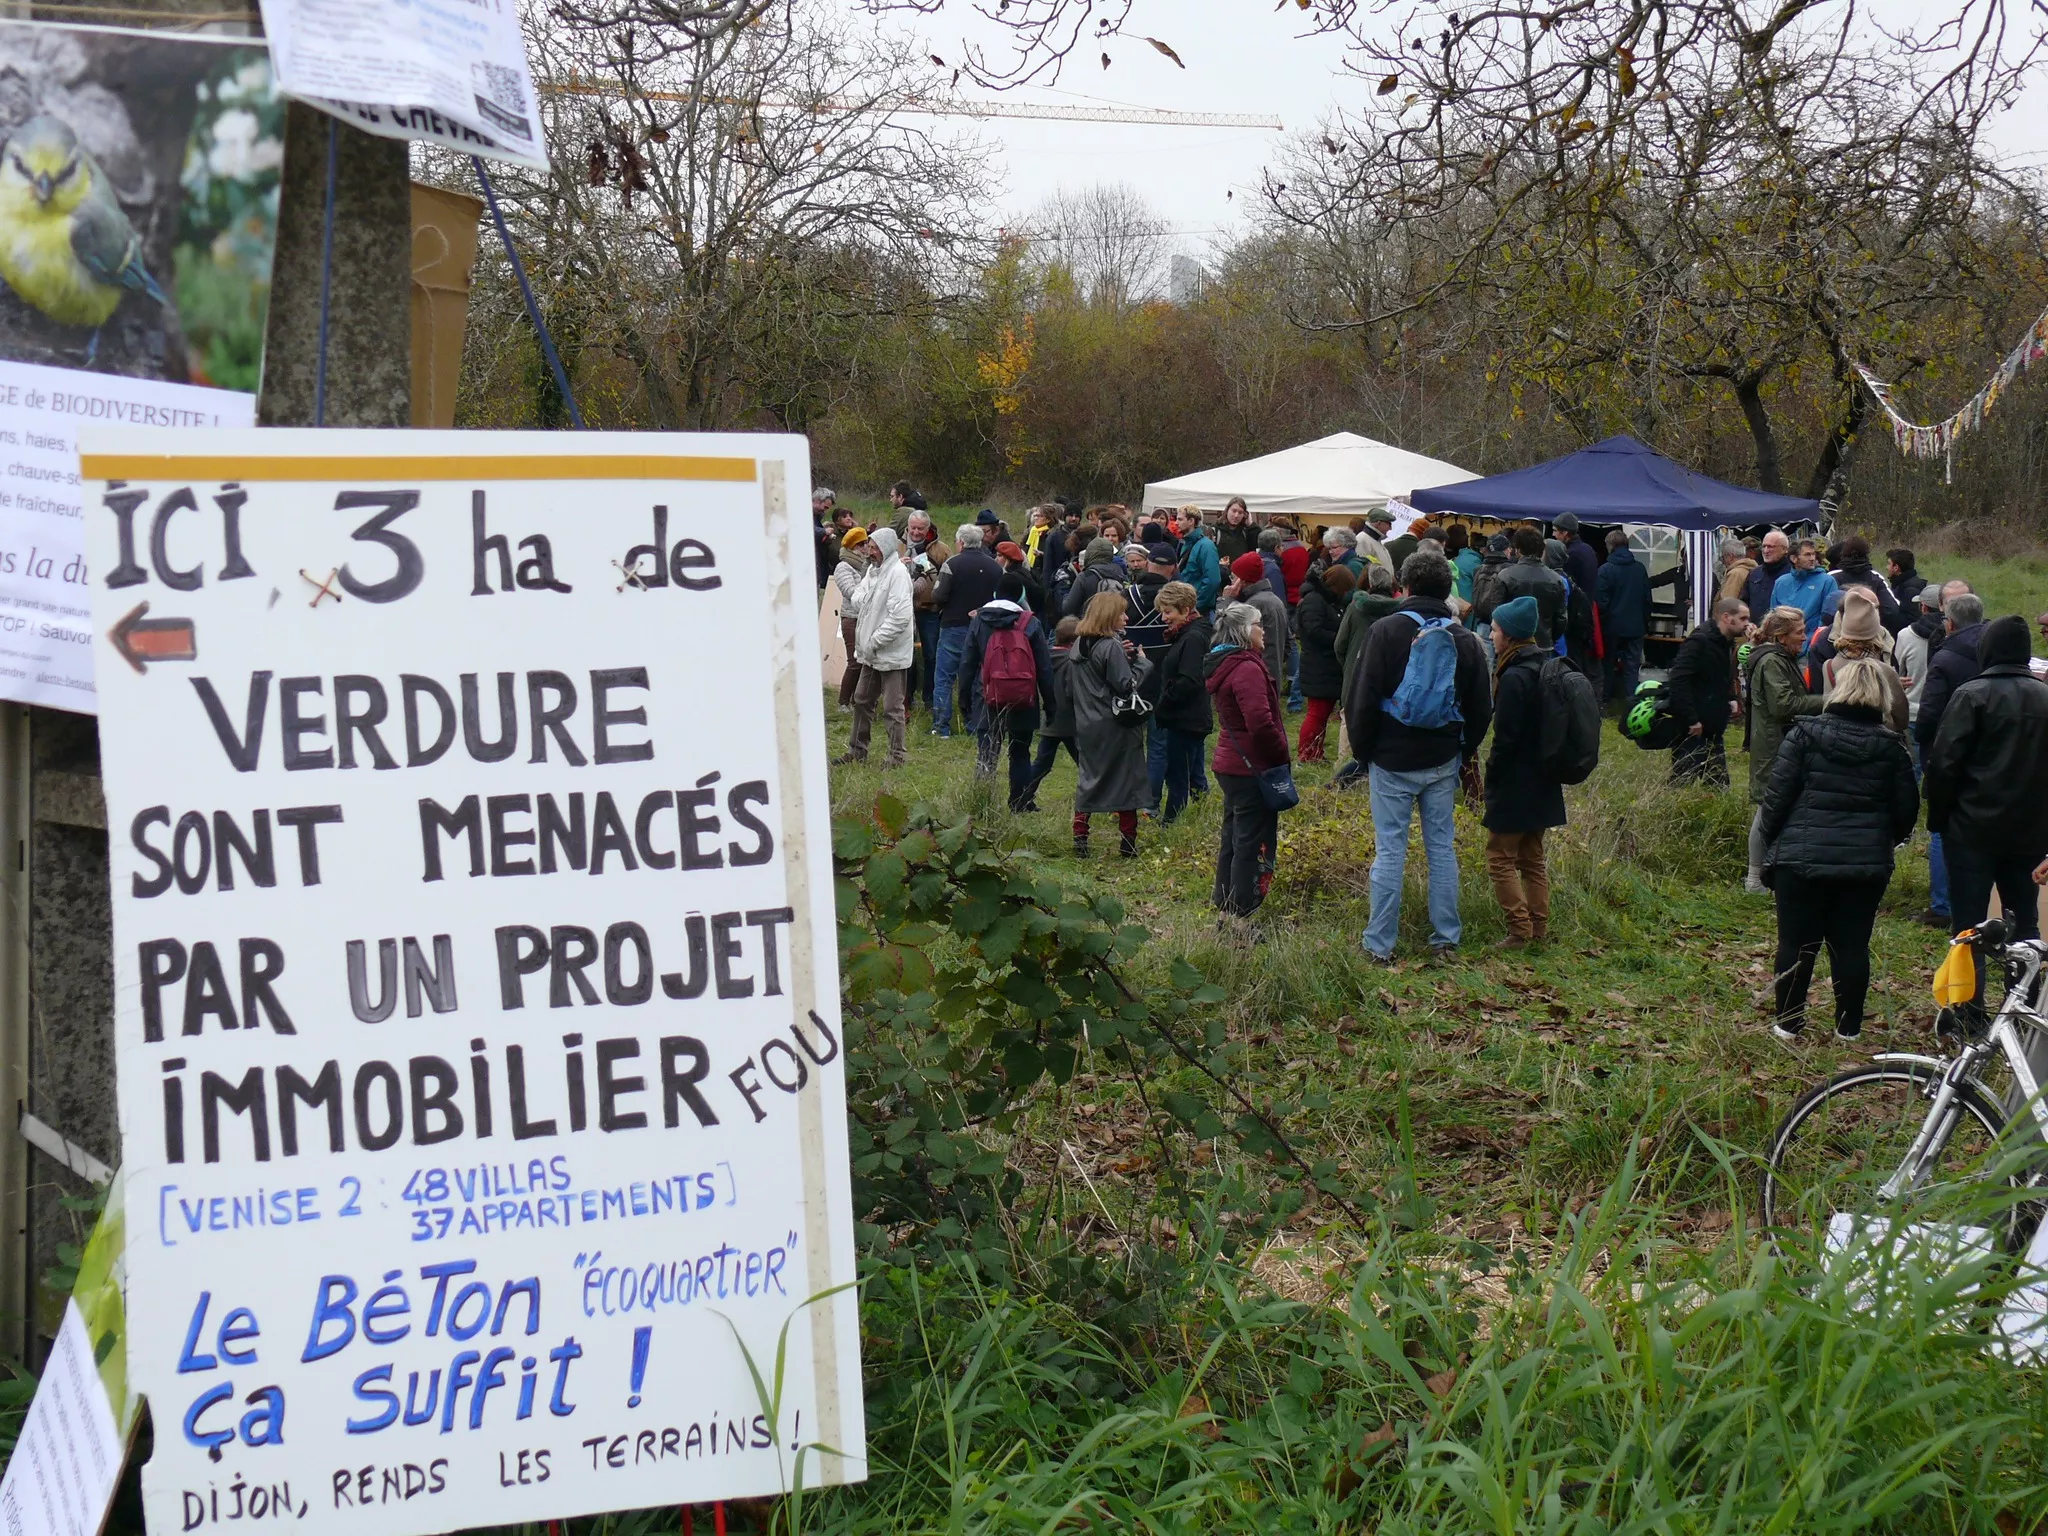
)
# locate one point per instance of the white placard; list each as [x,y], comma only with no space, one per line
[45,606]
[452,72]
[479,1049]
[67,1462]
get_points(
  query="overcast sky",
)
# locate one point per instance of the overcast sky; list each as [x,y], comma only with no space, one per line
[1242,56]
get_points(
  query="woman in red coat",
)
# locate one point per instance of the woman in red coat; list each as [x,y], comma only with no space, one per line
[1250,740]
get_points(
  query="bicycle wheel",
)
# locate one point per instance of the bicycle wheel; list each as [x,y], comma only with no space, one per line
[1847,1136]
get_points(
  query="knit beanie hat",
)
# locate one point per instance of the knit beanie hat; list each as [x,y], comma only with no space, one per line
[1518,618]
[854,536]
[2005,642]
[1857,620]
[1248,568]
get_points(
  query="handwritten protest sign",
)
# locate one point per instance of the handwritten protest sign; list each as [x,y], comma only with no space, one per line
[481,1070]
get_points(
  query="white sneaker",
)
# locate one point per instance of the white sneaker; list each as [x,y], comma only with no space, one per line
[1788,1036]
[1755,887]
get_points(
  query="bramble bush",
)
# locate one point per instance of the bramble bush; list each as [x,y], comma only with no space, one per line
[975,983]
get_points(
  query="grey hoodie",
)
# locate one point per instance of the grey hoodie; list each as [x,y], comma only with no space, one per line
[1273,618]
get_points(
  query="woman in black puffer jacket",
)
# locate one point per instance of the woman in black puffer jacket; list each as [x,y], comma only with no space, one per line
[1840,799]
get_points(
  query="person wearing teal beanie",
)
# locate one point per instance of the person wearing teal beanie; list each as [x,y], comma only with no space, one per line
[1518,618]
[1522,803]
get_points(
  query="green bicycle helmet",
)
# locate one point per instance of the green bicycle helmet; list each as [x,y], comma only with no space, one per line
[1648,722]
[1641,718]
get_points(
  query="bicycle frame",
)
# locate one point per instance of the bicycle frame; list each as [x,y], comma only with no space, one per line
[2004,1038]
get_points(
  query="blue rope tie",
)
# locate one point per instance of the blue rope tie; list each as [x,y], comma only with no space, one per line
[547,342]
[326,274]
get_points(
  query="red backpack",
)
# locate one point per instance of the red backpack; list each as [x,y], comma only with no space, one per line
[1009,671]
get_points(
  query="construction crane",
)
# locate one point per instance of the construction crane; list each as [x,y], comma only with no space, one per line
[935,107]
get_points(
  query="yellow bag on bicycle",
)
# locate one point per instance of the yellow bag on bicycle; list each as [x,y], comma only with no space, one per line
[1955,982]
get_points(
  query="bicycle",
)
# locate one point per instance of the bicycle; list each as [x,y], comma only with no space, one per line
[1934,1140]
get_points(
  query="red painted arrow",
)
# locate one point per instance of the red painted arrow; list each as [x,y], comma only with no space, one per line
[141,640]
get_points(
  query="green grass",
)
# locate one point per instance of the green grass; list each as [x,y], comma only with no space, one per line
[1526,1074]
[1557,1317]
[2018,585]
[1555,1314]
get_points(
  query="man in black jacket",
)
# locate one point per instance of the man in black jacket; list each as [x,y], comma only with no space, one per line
[1954,663]
[1701,691]
[1855,570]
[1581,560]
[1986,774]
[1902,570]
[965,582]
[1530,577]
[1415,767]
[1623,593]
[1951,662]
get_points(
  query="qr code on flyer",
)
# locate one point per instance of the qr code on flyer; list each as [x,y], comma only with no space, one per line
[499,98]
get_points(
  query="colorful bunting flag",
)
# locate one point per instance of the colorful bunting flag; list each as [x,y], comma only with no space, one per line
[1938,441]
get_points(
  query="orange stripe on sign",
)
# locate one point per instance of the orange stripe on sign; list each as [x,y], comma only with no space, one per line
[404,468]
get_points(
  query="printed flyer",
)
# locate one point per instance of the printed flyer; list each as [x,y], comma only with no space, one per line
[451,72]
[138,216]
[480,1063]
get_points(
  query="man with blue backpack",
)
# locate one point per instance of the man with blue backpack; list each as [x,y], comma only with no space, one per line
[1417,710]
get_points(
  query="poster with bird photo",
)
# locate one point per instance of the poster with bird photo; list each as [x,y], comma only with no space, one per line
[139,176]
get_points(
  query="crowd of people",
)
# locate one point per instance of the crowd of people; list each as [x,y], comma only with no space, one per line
[1164,651]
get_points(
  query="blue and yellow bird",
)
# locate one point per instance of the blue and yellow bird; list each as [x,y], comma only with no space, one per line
[65,245]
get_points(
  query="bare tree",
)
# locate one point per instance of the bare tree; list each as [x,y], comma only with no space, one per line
[1765,200]
[1107,239]
[1561,50]
[724,215]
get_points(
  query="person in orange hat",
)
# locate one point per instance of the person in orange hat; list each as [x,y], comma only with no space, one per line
[853,564]
[1011,556]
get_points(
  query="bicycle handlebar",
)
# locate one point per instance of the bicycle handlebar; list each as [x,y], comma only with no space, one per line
[1991,935]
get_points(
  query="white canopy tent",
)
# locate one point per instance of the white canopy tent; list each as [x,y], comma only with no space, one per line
[1329,480]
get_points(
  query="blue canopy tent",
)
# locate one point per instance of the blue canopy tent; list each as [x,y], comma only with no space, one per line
[1624,481]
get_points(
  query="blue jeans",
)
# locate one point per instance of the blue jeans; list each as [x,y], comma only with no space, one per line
[928,644]
[952,647]
[1158,763]
[1624,668]
[1395,797]
[1183,768]
[1937,856]
[1295,701]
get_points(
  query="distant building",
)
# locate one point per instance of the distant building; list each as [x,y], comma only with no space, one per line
[1186,279]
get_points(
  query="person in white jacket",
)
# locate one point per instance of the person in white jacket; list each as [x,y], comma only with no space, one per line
[884,637]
